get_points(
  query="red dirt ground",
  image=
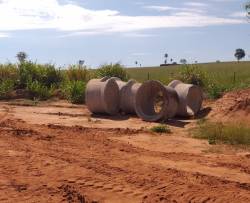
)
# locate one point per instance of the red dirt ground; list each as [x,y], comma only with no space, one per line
[57,152]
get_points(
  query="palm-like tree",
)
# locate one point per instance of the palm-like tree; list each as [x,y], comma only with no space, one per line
[166,58]
[21,56]
[81,63]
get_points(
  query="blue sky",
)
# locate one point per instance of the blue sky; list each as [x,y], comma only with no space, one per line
[103,31]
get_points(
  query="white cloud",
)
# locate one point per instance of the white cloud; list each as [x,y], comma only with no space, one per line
[50,14]
[239,14]
[4,35]
[138,35]
[160,8]
[196,4]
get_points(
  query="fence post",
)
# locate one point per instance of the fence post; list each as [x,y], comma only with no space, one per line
[234,77]
[148,75]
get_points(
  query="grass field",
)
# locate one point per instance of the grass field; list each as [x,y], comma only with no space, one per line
[222,72]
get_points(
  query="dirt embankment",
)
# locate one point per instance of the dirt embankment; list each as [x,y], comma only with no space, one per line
[48,155]
[233,106]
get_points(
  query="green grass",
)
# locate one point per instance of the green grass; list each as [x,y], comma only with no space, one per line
[222,72]
[216,133]
[160,129]
[42,79]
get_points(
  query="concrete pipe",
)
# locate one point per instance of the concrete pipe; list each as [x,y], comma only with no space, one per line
[102,96]
[190,98]
[128,93]
[173,102]
[151,101]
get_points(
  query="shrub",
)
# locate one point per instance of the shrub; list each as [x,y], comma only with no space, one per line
[74,91]
[214,132]
[112,70]
[9,72]
[160,129]
[215,91]
[75,73]
[39,91]
[49,75]
[6,86]
[193,74]
[46,74]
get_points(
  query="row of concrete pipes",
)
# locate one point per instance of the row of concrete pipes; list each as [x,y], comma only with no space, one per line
[151,100]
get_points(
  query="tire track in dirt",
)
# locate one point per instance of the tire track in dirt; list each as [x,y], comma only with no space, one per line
[92,166]
[5,113]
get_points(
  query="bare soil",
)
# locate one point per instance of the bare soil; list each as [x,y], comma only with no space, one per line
[233,106]
[58,152]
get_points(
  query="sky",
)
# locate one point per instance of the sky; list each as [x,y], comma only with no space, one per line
[104,31]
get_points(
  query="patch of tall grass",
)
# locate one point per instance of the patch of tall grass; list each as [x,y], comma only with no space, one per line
[215,78]
[6,86]
[230,133]
[74,91]
[112,70]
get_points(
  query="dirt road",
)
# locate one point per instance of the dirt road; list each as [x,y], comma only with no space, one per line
[60,153]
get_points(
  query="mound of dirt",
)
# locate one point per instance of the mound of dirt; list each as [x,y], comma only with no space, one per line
[233,106]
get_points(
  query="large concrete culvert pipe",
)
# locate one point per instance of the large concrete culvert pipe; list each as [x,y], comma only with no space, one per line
[102,96]
[173,102]
[190,98]
[128,91]
[151,101]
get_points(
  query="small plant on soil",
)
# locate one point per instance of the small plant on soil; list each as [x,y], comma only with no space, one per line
[216,132]
[160,129]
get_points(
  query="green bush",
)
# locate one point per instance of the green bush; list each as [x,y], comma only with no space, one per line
[39,91]
[46,74]
[6,86]
[112,70]
[215,91]
[231,133]
[75,73]
[74,91]
[193,74]
[160,129]
[9,72]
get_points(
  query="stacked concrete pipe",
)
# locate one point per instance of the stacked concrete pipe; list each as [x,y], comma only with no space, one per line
[146,100]
[128,91]
[190,98]
[102,96]
[173,102]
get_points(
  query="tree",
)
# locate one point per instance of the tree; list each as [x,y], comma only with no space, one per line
[21,56]
[248,9]
[183,61]
[239,54]
[136,63]
[166,58]
[81,63]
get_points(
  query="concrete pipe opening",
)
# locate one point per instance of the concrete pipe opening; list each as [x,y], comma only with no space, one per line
[194,100]
[102,96]
[190,98]
[151,101]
